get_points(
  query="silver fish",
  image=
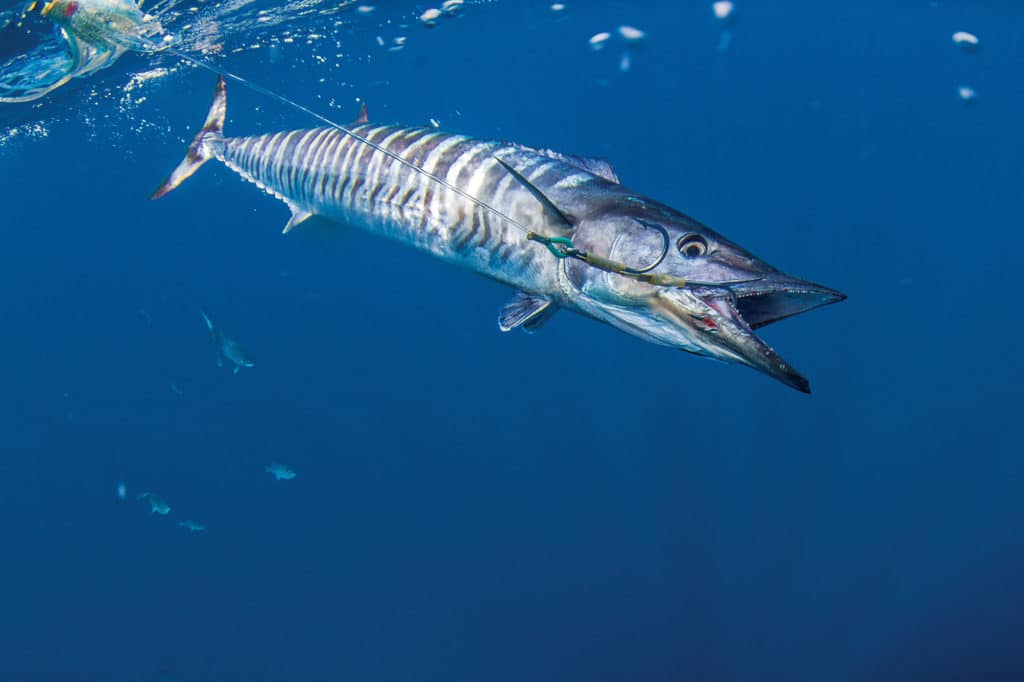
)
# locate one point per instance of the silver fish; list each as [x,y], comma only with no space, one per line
[228,349]
[156,504]
[559,229]
[280,472]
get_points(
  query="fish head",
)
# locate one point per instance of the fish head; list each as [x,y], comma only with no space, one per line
[234,352]
[703,293]
[280,471]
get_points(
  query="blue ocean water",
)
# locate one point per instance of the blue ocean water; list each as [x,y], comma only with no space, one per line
[572,505]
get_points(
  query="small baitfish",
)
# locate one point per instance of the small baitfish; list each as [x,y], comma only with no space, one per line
[156,505]
[227,349]
[192,526]
[559,229]
[281,472]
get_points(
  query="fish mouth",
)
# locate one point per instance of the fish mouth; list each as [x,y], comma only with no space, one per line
[739,309]
[776,296]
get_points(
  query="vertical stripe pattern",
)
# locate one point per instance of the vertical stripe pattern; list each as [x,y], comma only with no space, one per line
[327,172]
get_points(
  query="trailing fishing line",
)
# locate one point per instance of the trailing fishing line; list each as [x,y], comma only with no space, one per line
[128,28]
[560,247]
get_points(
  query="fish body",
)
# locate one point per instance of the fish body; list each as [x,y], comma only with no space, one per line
[156,504]
[192,526]
[280,472]
[228,349]
[559,229]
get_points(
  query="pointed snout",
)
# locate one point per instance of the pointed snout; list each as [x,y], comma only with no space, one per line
[774,296]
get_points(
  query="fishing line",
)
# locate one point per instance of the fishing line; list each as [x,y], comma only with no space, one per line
[593,260]
[256,87]
[561,247]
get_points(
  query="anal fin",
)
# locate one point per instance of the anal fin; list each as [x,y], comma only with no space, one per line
[299,216]
[527,311]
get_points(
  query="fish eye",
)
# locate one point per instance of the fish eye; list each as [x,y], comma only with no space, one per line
[692,245]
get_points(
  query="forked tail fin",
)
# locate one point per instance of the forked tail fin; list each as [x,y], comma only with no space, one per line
[214,334]
[201,149]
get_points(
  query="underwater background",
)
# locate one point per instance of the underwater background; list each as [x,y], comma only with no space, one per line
[471,505]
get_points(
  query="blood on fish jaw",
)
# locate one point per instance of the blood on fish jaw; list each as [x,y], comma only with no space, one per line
[70,9]
[721,305]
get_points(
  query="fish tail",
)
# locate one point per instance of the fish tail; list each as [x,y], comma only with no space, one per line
[204,145]
[214,334]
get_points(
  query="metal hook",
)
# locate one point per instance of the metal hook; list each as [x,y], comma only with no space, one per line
[664,251]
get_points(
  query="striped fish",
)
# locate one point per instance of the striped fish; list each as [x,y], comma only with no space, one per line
[476,203]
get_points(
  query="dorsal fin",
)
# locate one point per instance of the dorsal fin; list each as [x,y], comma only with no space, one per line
[600,167]
[364,116]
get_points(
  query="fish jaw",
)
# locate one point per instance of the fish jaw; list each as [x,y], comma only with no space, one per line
[719,293]
[715,324]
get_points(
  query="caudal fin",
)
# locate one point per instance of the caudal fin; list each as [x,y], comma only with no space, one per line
[214,334]
[200,151]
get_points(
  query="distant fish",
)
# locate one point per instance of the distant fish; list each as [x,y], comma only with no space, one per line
[631,34]
[281,472]
[598,40]
[430,16]
[228,349]
[121,490]
[967,94]
[156,505]
[967,41]
[192,526]
[723,9]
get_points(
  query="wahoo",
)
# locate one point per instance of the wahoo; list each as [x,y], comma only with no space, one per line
[559,229]
[228,350]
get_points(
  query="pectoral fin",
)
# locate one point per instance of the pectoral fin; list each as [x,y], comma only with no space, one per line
[553,215]
[527,311]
